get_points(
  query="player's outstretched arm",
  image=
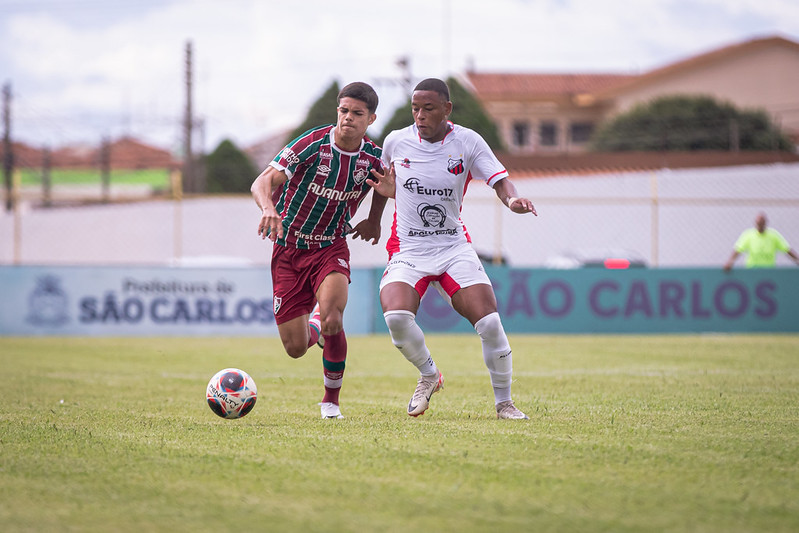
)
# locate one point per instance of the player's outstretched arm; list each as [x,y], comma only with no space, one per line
[731,260]
[384,182]
[369,229]
[271,223]
[507,194]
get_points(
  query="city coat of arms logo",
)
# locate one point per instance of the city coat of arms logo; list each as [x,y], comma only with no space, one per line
[47,304]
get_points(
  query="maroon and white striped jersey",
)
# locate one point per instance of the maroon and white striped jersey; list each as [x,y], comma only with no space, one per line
[325,187]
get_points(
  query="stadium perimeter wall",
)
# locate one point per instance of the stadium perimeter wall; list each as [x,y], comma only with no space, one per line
[163,301]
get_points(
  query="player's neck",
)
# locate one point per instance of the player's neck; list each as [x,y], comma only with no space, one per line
[344,143]
[441,135]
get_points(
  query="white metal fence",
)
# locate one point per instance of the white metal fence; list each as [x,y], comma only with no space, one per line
[672,218]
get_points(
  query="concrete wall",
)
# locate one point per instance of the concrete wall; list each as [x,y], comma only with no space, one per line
[673,218]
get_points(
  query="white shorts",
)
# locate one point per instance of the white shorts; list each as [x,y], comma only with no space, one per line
[448,270]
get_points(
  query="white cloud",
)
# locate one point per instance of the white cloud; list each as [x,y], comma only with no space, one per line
[259,65]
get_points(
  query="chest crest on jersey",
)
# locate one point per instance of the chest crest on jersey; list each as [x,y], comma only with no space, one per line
[360,175]
[455,166]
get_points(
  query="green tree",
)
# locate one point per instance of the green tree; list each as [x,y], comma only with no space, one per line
[322,112]
[466,111]
[228,169]
[401,118]
[685,123]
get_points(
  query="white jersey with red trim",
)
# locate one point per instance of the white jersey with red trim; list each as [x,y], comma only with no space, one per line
[431,181]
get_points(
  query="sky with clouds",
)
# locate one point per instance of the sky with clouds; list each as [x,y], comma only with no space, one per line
[83,69]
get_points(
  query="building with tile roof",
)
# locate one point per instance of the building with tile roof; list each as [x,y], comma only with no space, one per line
[540,113]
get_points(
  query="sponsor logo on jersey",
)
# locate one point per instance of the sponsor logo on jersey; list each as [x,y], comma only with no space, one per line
[277,302]
[432,215]
[455,166]
[323,170]
[401,262]
[289,156]
[428,233]
[413,185]
[343,262]
[406,163]
[313,236]
[332,194]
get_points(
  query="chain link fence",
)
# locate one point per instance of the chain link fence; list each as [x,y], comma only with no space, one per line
[664,218]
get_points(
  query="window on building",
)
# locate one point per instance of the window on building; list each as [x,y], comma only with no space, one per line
[581,132]
[521,133]
[548,134]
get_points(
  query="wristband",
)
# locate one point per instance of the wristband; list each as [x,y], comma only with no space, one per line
[511,200]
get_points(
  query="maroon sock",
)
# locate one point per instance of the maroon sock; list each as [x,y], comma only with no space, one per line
[313,336]
[334,355]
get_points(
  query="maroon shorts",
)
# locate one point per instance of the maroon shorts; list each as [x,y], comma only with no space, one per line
[297,274]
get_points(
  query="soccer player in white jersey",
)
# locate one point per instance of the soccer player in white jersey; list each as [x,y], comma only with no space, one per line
[426,168]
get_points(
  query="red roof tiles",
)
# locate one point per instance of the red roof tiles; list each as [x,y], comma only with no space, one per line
[518,85]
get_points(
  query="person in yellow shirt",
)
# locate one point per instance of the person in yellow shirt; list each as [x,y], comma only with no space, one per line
[761,245]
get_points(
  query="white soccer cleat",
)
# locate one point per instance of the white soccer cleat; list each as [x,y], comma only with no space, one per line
[315,322]
[506,410]
[425,387]
[331,410]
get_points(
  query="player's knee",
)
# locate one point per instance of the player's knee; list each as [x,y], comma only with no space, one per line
[294,348]
[398,321]
[490,327]
[399,325]
[332,324]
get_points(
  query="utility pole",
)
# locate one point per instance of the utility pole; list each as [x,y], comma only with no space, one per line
[47,179]
[188,167]
[8,154]
[406,80]
[105,169]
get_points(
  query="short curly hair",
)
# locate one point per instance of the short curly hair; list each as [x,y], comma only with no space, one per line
[360,91]
[436,85]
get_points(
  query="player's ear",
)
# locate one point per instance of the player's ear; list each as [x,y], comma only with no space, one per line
[372,118]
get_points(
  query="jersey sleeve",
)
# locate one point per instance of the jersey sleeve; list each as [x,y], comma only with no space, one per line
[297,151]
[388,149]
[780,243]
[742,243]
[486,166]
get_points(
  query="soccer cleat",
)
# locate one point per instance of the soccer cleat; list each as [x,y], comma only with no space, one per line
[507,410]
[425,388]
[315,322]
[331,410]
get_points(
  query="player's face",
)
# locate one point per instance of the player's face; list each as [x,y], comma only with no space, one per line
[760,223]
[353,119]
[430,113]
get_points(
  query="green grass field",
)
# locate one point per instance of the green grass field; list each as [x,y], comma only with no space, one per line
[156,178]
[627,433]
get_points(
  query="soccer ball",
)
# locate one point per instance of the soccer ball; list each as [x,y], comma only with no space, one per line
[231,393]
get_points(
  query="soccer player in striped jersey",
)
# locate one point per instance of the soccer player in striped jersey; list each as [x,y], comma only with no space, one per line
[307,196]
[427,167]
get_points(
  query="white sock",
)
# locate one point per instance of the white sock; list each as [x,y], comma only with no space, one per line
[496,354]
[408,337]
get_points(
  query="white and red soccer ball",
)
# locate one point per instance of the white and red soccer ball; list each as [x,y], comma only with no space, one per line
[231,393]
